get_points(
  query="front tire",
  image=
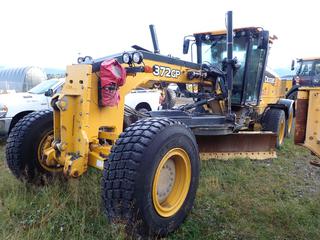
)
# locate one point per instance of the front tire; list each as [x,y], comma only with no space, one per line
[26,142]
[151,176]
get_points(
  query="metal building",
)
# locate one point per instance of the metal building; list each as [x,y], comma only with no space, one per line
[20,79]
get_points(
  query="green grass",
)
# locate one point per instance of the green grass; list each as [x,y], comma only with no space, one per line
[239,199]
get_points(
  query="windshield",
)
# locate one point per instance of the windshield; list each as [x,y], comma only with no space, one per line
[305,68]
[42,87]
[214,51]
[308,68]
[251,56]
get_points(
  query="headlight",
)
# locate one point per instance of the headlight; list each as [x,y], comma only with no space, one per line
[80,60]
[3,111]
[137,57]
[88,59]
[127,58]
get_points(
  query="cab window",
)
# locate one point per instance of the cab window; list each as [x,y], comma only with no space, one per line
[305,69]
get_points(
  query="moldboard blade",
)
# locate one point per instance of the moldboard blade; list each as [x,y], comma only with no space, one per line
[253,145]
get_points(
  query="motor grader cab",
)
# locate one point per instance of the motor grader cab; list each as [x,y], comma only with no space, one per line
[307,72]
[250,49]
[150,161]
[258,95]
[307,75]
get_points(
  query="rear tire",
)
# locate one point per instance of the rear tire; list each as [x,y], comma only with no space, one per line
[170,99]
[275,121]
[143,110]
[151,177]
[25,144]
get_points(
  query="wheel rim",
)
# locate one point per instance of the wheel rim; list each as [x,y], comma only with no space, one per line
[290,122]
[45,143]
[171,182]
[282,131]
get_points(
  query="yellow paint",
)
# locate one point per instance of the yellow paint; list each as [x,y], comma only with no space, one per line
[79,122]
[234,155]
[272,92]
[290,122]
[282,131]
[312,139]
[303,93]
[173,202]
[224,31]
[108,135]
[44,146]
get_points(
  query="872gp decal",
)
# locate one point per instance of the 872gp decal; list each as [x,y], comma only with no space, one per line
[166,72]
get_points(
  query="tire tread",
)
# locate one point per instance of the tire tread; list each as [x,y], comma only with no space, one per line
[15,142]
[122,167]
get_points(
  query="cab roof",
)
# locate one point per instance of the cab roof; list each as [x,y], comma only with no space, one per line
[224,31]
[308,58]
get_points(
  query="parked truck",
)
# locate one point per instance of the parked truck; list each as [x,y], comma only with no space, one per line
[14,106]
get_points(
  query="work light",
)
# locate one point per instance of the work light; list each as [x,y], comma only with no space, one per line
[88,59]
[137,57]
[127,58]
[80,60]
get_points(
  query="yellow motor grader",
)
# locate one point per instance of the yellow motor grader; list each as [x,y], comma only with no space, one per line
[150,161]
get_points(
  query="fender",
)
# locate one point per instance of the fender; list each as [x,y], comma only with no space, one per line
[289,103]
[284,104]
[294,89]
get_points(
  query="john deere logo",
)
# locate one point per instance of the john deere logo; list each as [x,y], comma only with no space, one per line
[269,79]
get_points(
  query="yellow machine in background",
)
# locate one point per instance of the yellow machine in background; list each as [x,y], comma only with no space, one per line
[307,119]
[307,75]
[307,71]
[273,89]
[150,161]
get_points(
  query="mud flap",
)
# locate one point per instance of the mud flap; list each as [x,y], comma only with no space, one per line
[301,121]
[253,145]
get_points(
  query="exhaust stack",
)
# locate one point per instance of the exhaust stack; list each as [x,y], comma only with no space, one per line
[229,58]
[154,39]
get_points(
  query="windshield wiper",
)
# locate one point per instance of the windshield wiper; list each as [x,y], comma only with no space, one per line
[214,43]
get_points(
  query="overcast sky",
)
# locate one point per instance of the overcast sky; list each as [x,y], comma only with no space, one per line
[53,33]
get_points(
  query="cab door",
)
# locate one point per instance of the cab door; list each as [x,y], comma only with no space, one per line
[255,68]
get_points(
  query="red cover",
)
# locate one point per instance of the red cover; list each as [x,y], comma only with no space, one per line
[112,76]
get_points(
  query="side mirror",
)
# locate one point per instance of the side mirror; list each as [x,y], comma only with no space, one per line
[49,93]
[186,43]
[292,65]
